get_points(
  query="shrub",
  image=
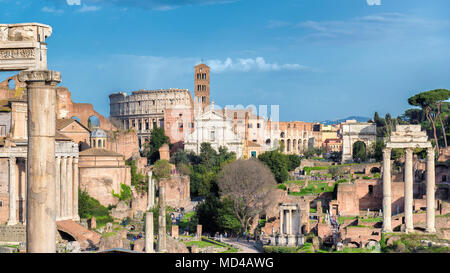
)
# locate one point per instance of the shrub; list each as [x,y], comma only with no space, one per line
[88,207]
[281,187]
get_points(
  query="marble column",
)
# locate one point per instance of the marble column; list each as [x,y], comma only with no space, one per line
[409,190]
[12,219]
[76,185]
[41,124]
[69,181]
[26,186]
[281,220]
[430,192]
[387,202]
[162,220]
[289,222]
[58,187]
[63,194]
[151,191]
[149,232]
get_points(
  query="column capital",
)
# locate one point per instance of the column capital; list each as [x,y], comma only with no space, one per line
[409,150]
[387,150]
[430,152]
[30,76]
[75,160]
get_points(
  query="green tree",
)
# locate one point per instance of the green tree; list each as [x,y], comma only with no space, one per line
[293,162]
[376,150]
[162,169]
[336,171]
[277,163]
[431,103]
[359,151]
[125,193]
[157,139]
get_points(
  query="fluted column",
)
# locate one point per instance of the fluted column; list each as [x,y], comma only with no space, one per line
[387,202]
[430,192]
[76,185]
[69,181]
[41,124]
[281,220]
[289,222]
[12,219]
[63,194]
[58,187]
[409,190]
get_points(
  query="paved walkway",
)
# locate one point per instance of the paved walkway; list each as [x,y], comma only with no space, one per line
[241,245]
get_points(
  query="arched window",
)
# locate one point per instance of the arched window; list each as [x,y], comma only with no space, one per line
[12,84]
[99,143]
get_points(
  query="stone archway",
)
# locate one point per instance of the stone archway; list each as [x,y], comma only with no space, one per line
[93,122]
[354,132]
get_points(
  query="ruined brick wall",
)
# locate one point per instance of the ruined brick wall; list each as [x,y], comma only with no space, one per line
[177,123]
[67,109]
[177,191]
[18,93]
[370,194]
[348,199]
[99,177]
[125,143]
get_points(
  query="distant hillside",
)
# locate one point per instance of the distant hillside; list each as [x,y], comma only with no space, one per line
[337,121]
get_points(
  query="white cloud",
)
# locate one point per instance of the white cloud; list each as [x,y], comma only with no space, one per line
[52,10]
[73,2]
[246,65]
[373,2]
[86,8]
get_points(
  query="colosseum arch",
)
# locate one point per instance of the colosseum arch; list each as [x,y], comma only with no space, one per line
[93,122]
[354,132]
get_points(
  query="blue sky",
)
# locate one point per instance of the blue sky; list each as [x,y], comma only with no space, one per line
[317,59]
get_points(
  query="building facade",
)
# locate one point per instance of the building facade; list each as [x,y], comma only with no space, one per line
[213,127]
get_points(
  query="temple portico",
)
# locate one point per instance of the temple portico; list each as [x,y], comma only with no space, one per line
[290,227]
[408,137]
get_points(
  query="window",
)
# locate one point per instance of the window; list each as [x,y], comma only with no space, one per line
[1,203]
[203,87]
[250,125]
[370,189]
[258,125]
[198,76]
[204,76]
[199,88]
[253,154]
[213,135]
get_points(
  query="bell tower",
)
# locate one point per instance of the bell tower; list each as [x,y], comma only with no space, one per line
[201,85]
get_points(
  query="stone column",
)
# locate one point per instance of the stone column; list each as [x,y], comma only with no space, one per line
[69,187]
[41,218]
[162,220]
[288,222]
[26,186]
[149,232]
[151,191]
[58,187]
[63,194]
[12,219]
[430,192]
[387,202]
[75,215]
[409,190]
[281,220]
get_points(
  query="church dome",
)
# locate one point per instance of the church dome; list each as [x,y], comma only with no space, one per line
[98,133]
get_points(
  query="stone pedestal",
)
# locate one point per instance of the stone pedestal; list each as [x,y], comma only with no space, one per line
[175,231]
[199,232]
[41,201]
[149,233]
